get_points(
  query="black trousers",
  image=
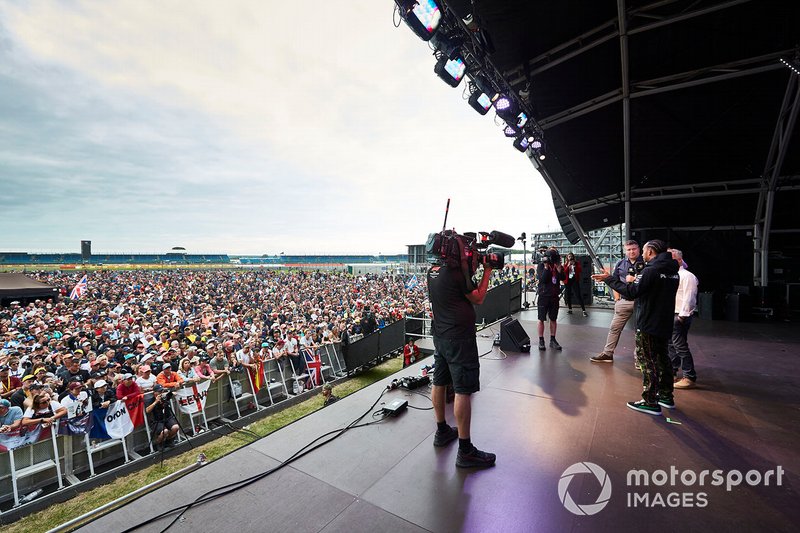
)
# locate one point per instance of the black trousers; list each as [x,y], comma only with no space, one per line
[573,287]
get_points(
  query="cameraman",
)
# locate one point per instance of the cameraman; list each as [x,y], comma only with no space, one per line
[456,355]
[549,274]
[163,421]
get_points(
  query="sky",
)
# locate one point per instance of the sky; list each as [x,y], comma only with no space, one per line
[302,127]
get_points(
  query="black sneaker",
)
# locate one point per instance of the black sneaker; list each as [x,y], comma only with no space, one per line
[569,312]
[554,344]
[475,458]
[669,404]
[542,347]
[646,408]
[443,438]
[602,358]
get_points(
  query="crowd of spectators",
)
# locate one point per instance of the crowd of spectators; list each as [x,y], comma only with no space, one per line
[140,330]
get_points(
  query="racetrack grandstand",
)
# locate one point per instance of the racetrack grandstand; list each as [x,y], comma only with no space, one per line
[53,259]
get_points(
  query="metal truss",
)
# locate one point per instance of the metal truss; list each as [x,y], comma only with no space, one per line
[770,180]
[606,32]
[691,190]
[683,80]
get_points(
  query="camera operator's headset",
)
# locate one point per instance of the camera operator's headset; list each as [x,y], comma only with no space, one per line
[453,247]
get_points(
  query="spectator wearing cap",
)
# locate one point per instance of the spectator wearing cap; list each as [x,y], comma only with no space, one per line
[145,379]
[102,395]
[162,419]
[10,416]
[15,369]
[76,401]
[201,367]
[128,388]
[8,384]
[327,394]
[169,379]
[24,393]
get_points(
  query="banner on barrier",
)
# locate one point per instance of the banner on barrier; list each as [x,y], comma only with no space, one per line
[22,436]
[191,400]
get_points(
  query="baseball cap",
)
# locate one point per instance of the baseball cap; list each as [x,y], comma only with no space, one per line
[5,403]
[158,387]
[75,385]
[28,377]
[127,376]
[145,368]
[100,383]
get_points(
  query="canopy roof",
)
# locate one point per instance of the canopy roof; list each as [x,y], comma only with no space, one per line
[706,90]
[15,286]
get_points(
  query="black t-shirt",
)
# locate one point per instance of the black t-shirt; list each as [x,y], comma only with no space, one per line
[453,313]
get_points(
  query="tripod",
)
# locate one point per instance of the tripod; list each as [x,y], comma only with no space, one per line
[523,238]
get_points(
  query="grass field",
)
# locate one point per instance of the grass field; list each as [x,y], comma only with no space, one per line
[85,502]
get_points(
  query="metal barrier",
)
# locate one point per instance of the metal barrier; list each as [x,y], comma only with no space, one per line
[75,458]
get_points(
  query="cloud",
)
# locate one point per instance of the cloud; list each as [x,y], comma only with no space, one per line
[243,126]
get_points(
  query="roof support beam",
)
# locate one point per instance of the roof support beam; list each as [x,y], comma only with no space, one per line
[766,199]
[692,190]
[685,16]
[601,34]
[626,114]
[692,78]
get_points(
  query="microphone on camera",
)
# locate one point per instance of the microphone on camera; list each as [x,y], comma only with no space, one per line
[502,239]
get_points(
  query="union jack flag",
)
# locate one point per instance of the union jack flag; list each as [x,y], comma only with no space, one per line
[79,288]
[314,364]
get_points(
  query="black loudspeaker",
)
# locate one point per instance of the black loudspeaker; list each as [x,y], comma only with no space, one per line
[513,337]
[586,279]
[563,219]
[86,250]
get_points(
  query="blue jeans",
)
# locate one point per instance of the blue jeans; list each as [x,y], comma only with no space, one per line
[679,352]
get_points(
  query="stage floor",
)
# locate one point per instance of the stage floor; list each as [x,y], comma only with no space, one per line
[540,413]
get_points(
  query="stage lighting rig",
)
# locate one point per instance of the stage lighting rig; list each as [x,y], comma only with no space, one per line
[422,16]
[451,71]
[478,99]
[521,143]
[506,108]
[510,131]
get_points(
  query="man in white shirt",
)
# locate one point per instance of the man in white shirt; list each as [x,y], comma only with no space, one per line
[685,306]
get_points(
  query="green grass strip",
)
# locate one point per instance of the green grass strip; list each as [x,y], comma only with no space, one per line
[63,512]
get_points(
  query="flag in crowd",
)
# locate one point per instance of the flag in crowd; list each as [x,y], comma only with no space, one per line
[79,288]
[114,422]
[314,364]
[257,376]
[412,283]
[192,400]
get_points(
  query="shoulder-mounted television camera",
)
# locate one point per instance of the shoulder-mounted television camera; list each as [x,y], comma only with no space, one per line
[466,251]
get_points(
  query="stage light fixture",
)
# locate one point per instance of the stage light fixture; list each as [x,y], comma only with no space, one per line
[422,16]
[506,108]
[450,70]
[522,119]
[510,131]
[478,100]
[521,143]
[535,143]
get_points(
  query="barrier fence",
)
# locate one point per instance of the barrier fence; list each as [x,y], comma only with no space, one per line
[44,458]
[56,460]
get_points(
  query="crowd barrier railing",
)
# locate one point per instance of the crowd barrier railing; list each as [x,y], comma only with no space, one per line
[26,466]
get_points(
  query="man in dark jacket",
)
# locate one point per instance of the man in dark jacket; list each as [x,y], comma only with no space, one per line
[654,294]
